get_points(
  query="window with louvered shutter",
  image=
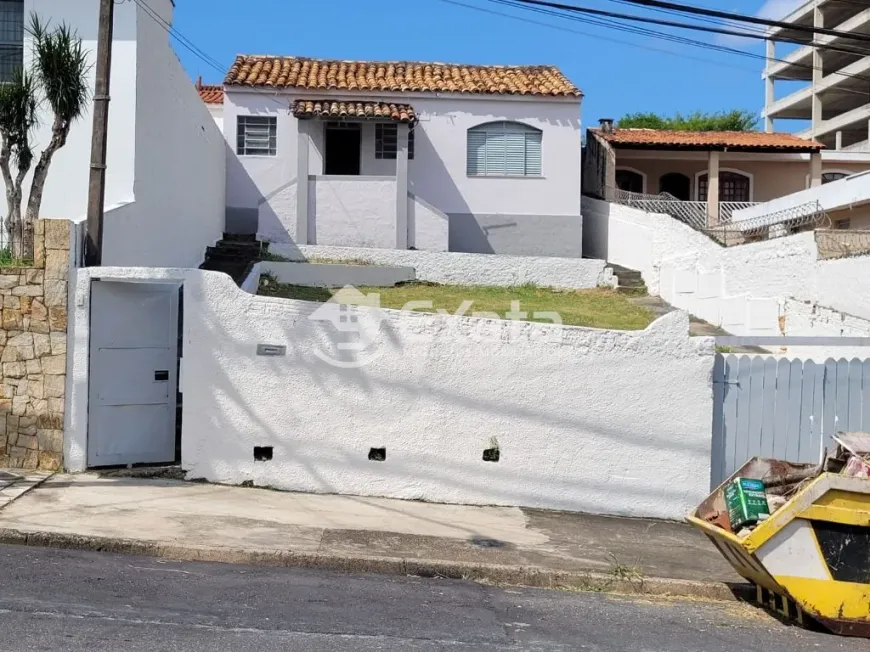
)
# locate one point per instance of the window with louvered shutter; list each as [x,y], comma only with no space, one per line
[504,149]
[256,135]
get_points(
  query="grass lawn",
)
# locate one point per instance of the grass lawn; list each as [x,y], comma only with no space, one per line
[598,308]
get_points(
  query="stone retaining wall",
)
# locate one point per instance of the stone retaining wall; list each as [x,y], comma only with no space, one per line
[33,352]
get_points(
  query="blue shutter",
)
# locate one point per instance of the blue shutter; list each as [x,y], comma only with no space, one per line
[476,155]
[504,149]
[515,154]
[533,154]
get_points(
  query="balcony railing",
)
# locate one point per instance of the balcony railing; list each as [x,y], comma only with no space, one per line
[726,230]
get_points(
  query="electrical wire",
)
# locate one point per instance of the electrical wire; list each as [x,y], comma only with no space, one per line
[743,18]
[704,28]
[523,5]
[199,53]
[592,35]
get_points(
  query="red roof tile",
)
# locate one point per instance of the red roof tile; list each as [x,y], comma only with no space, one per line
[352,109]
[211,94]
[734,140]
[397,76]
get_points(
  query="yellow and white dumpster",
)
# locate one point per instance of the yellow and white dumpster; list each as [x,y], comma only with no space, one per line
[811,556]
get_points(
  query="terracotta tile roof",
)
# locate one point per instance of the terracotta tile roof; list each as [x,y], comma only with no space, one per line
[397,76]
[732,140]
[353,109]
[211,94]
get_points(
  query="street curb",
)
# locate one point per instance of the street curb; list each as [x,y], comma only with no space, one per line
[529,576]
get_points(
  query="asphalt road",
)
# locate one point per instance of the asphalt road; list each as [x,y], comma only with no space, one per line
[63,600]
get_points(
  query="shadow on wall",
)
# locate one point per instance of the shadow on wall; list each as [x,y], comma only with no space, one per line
[596,221]
[311,458]
[242,220]
[464,232]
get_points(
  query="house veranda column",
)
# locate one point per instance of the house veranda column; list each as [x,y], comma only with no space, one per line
[302,147]
[713,189]
[815,169]
[402,186]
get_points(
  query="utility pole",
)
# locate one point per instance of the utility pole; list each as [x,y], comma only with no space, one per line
[99,137]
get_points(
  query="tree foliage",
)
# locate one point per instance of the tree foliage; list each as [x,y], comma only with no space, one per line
[736,120]
[57,79]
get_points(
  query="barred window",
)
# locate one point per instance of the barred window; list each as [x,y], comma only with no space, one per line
[387,140]
[11,37]
[257,135]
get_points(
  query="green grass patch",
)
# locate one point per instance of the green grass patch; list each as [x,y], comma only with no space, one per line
[598,308]
[7,260]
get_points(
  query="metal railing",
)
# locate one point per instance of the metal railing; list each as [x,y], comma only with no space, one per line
[842,243]
[726,230]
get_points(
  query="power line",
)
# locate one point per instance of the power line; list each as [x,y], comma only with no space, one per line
[691,26]
[524,5]
[727,15]
[599,37]
[199,53]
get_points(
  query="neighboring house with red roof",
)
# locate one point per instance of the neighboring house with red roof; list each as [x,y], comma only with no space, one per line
[729,171]
[212,96]
[404,155]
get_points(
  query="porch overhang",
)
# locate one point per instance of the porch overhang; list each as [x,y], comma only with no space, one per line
[335,109]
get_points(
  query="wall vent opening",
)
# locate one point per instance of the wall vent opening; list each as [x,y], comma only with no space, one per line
[378,454]
[491,455]
[262,453]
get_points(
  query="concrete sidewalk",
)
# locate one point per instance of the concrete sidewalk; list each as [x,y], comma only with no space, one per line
[235,524]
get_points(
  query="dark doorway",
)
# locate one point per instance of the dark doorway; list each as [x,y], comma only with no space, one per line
[342,149]
[676,184]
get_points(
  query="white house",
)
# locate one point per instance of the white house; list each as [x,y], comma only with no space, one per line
[399,155]
[166,164]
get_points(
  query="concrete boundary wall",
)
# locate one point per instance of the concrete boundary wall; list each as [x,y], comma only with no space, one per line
[773,287]
[468,268]
[327,275]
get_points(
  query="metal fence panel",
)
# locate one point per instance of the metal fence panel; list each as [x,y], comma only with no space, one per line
[788,409]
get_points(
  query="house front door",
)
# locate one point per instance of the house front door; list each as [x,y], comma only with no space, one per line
[343,149]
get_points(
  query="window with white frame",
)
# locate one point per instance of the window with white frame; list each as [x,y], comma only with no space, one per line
[504,149]
[11,38]
[257,135]
[387,140]
[830,177]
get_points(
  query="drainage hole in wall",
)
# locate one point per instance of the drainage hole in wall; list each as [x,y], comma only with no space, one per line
[490,455]
[262,453]
[377,454]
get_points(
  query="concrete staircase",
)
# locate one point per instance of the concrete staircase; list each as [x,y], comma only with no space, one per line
[233,255]
[628,281]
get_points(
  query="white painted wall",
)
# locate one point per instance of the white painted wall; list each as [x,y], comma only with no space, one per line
[773,287]
[844,193]
[353,211]
[437,174]
[428,228]
[469,269]
[67,185]
[166,166]
[566,433]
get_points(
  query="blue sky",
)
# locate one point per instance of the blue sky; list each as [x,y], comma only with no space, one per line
[619,73]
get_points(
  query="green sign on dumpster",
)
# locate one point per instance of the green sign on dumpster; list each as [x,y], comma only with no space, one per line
[746,502]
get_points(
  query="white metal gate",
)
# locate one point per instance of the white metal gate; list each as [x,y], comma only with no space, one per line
[133,373]
[785,409]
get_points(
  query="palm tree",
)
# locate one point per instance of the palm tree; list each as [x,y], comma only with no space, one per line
[58,77]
